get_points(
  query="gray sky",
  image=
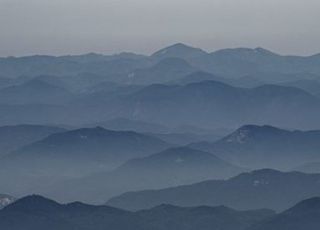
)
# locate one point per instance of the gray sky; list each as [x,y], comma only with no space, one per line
[143,26]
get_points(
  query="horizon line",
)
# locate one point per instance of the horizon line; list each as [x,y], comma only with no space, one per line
[152,53]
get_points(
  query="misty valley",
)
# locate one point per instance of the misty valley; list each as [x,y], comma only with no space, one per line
[182,139]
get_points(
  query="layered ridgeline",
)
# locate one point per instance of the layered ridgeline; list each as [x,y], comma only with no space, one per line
[37,213]
[83,164]
[209,104]
[214,104]
[90,144]
[165,70]
[266,146]
[35,92]
[72,154]
[227,62]
[123,124]
[304,215]
[181,135]
[172,167]
[197,88]
[17,136]
[259,189]
[307,82]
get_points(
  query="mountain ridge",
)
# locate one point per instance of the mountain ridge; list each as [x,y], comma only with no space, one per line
[36,212]
[257,189]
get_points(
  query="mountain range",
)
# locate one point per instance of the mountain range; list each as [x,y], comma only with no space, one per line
[221,104]
[101,163]
[123,124]
[258,189]
[266,146]
[234,63]
[231,87]
[304,215]
[182,139]
[17,136]
[36,213]
[171,167]
[176,135]
[72,154]
[91,144]
[34,92]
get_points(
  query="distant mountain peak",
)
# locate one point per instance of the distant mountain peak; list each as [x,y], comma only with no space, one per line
[179,50]
[240,136]
[179,46]
[246,132]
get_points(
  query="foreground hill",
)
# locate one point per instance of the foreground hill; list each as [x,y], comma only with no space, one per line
[38,213]
[258,189]
[172,167]
[14,137]
[266,146]
[304,215]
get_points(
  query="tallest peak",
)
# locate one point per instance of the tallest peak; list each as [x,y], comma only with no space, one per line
[179,50]
[181,45]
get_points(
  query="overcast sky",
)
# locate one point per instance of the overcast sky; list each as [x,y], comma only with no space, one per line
[143,26]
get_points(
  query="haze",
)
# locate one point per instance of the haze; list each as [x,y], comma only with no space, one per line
[111,26]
